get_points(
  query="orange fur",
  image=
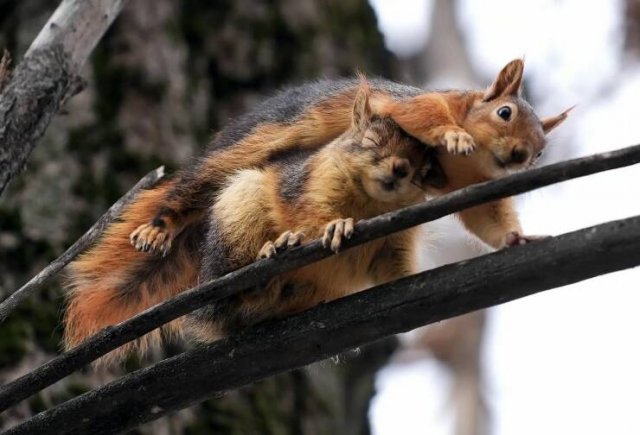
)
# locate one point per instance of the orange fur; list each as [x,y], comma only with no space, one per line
[458,121]
[343,181]
[320,125]
[95,280]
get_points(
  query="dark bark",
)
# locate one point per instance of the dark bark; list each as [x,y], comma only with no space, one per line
[278,346]
[47,77]
[258,272]
[27,105]
[87,239]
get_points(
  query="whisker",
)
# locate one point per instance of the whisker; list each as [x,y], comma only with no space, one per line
[419,186]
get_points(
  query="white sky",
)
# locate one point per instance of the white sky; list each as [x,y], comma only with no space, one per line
[405,24]
[565,361]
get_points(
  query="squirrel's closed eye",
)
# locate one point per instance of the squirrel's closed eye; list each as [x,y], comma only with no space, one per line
[504,112]
[369,142]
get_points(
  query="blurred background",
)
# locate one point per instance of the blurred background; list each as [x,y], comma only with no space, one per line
[170,72]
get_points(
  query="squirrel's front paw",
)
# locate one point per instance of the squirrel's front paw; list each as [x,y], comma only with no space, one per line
[151,238]
[285,241]
[335,231]
[514,239]
[458,142]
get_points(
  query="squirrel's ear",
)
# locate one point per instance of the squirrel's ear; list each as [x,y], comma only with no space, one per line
[552,122]
[508,82]
[361,107]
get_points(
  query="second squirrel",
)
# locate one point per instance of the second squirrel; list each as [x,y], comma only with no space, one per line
[484,134]
[373,168]
[112,281]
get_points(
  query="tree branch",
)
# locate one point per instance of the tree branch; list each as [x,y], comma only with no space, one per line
[329,329]
[12,301]
[46,77]
[110,338]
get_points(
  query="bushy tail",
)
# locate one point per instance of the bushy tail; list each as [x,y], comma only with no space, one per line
[112,281]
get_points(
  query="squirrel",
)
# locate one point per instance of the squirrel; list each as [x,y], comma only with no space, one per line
[372,168]
[478,136]
[487,134]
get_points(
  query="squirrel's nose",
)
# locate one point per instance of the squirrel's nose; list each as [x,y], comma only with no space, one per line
[519,155]
[401,168]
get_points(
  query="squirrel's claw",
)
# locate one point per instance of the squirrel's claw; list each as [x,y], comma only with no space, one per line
[459,142]
[268,250]
[151,238]
[335,231]
[286,240]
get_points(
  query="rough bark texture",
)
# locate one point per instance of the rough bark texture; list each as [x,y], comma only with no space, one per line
[27,105]
[336,327]
[46,76]
[167,74]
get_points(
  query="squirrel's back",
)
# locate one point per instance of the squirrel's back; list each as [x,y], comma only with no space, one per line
[289,104]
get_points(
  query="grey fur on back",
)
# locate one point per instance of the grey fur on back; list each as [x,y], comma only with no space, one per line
[287,105]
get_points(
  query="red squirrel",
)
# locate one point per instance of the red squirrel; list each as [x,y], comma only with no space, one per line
[478,135]
[372,168]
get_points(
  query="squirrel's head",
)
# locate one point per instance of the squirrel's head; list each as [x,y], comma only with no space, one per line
[508,133]
[391,165]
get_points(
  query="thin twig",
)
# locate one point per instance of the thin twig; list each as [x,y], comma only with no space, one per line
[11,302]
[281,345]
[232,283]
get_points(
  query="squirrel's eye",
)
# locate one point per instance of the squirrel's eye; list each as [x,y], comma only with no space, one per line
[370,142]
[504,112]
[539,155]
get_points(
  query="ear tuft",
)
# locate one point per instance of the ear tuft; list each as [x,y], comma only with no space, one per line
[552,122]
[508,82]
[361,107]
